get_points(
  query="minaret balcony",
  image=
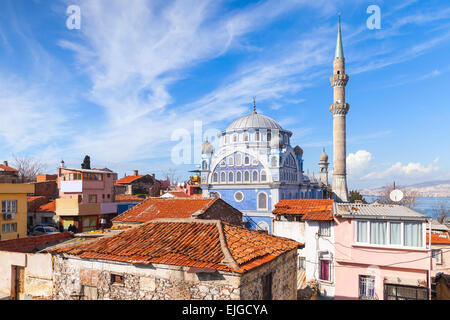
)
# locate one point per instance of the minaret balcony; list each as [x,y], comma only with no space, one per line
[339,108]
[339,80]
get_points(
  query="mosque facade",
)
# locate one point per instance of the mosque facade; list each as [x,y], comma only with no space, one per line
[255,166]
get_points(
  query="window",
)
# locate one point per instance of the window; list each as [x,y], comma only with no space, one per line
[262,201]
[238,159]
[238,196]
[238,176]
[235,137]
[255,176]
[269,136]
[117,279]
[246,136]
[223,177]
[215,177]
[412,234]
[378,231]
[361,231]
[263,175]
[225,139]
[92,198]
[257,136]
[246,161]
[9,227]
[230,177]
[103,196]
[230,161]
[9,206]
[89,224]
[437,254]
[247,176]
[325,228]
[325,270]
[302,263]
[395,233]
[402,292]
[267,286]
[366,287]
[274,161]
[223,163]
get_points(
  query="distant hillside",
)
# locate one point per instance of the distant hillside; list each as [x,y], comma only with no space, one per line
[440,188]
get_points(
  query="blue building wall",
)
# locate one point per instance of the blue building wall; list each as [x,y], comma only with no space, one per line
[250,197]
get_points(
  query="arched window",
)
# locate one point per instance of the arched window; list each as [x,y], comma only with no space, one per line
[255,176]
[269,136]
[223,163]
[263,175]
[230,177]
[246,136]
[247,176]
[215,177]
[274,161]
[238,176]
[262,201]
[226,139]
[257,136]
[223,178]
[235,137]
[247,160]
[238,159]
[230,161]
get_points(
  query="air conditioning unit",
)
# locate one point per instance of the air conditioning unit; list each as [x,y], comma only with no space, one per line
[8,216]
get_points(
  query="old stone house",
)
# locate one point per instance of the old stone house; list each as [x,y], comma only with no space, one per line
[138,184]
[25,273]
[8,174]
[199,208]
[178,259]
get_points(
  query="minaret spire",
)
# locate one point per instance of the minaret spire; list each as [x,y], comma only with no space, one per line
[339,49]
[254,105]
[339,110]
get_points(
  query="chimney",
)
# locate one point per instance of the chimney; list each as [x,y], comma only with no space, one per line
[153,176]
[5,163]
[136,172]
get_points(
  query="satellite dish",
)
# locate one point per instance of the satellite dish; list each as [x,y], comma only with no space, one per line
[396,195]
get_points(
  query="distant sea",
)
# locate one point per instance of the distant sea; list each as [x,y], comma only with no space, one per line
[426,205]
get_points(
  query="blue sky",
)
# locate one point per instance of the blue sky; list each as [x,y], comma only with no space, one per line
[138,71]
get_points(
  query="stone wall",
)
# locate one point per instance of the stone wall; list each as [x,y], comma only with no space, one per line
[93,280]
[284,279]
[75,278]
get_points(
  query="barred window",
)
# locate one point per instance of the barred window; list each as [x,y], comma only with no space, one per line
[325,228]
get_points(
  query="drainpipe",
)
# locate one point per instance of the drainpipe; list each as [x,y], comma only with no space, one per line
[431,260]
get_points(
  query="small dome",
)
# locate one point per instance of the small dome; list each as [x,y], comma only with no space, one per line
[298,151]
[324,157]
[207,148]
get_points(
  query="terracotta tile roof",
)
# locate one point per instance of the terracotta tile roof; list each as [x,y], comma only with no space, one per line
[48,207]
[129,179]
[32,244]
[7,168]
[155,208]
[207,244]
[308,209]
[128,198]
[34,202]
[439,238]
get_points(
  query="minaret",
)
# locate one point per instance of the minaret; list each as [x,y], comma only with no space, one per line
[339,110]
[323,166]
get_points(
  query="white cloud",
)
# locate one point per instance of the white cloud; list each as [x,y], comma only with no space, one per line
[407,171]
[358,162]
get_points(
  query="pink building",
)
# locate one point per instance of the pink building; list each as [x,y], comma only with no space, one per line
[381,253]
[86,196]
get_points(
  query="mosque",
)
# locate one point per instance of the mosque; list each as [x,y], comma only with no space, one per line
[255,165]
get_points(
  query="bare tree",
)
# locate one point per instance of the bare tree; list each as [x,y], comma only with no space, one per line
[441,211]
[409,197]
[28,168]
[172,175]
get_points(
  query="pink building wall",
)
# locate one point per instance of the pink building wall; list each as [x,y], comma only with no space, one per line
[407,266]
[89,187]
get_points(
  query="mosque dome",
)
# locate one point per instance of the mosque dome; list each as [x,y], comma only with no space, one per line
[255,121]
[298,151]
[207,148]
[323,157]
